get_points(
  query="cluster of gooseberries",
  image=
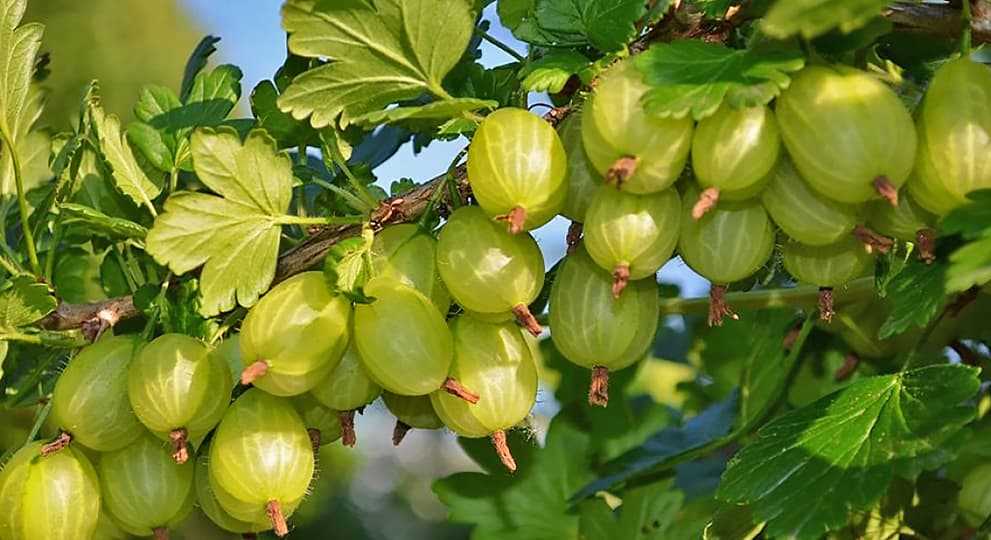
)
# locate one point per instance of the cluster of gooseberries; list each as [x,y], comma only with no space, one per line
[836,159]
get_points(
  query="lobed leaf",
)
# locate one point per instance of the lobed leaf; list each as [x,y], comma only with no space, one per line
[607,25]
[25,302]
[917,295]
[128,175]
[235,236]
[551,72]
[811,18]
[695,77]
[809,468]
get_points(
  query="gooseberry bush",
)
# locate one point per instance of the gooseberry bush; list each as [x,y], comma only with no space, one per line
[196,302]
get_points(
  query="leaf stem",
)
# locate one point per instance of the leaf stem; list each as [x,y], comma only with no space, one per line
[500,45]
[319,220]
[804,296]
[361,190]
[966,20]
[22,204]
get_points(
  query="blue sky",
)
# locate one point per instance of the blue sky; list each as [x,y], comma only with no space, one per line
[252,39]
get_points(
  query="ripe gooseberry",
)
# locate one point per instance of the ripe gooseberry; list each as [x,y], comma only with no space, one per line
[634,151]
[90,400]
[178,390]
[517,168]
[294,336]
[803,213]
[144,490]
[497,360]
[410,412]
[583,179]
[487,270]
[632,235]
[954,125]
[407,253]
[826,267]
[908,222]
[733,152]
[594,330]
[261,460]
[849,135]
[729,243]
[45,497]
[323,424]
[347,389]
[207,502]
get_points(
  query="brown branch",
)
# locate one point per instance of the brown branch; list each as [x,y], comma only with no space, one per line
[940,19]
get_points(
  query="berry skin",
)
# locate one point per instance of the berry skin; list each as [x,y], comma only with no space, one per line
[410,412]
[348,386]
[406,253]
[487,270]
[804,214]
[954,127]
[734,151]
[902,222]
[33,510]
[593,329]
[403,341]
[849,135]
[143,489]
[583,179]
[261,460]
[294,336]
[207,502]
[497,360]
[637,152]
[323,424]
[727,244]
[632,236]
[517,168]
[827,266]
[178,389]
[90,399]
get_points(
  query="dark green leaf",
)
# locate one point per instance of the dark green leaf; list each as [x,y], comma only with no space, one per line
[695,77]
[152,144]
[24,301]
[732,522]
[155,101]
[99,223]
[970,265]
[811,467]
[551,72]
[213,96]
[811,18]
[289,132]
[471,79]
[197,61]
[836,42]
[917,295]
[607,25]
[715,9]
[646,513]
[401,186]
[77,276]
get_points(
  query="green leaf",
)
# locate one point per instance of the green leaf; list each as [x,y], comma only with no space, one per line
[732,522]
[19,97]
[128,175]
[970,265]
[211,98]
[348,264]
[513,12]
[24,302]
[394,52]
[532,503]
[289,132]
[471,79]
[97,222]
[153,102]
[917,295]
[715,9]
[811,18]
[197,61]
[695,77]
[152,144]
[33,150]
[808,469]
[646,513]
[607,25]
[234,236]
[551,73]
[77,276]
[425,115]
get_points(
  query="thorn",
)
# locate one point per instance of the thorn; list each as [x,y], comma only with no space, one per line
[826,311]
[850,363]
[527,320]
[253,372]
[316,438]
[59,442]
[348,436]
[873,241]
[516,218]
[574,235]
[453,387]
[598,389]
[707,201]
[502,450]
[399,432]
[886,189]
[621,170]
[718,308]
[180,452]
[925,240]
[274,513]
[621,277]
